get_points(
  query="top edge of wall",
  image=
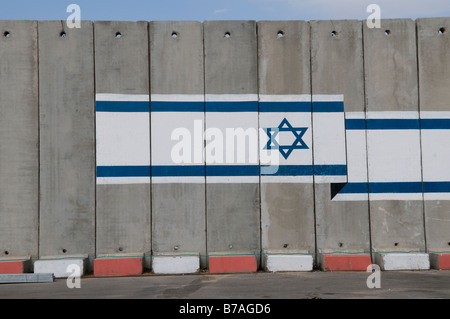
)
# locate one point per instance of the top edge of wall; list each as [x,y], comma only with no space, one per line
[231,20]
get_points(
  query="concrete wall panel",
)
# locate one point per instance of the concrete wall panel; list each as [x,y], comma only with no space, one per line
[396,204]
[122,70]
[19,139]
[67,145]
[287,208]
[177,83]
[434,93]
[338,69]
[233,213]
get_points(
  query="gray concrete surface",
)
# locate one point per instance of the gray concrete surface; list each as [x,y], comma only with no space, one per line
[19,140]
[337,67]
[391,85]
[265,286]
[287,210]
[177,68]
[233,212]
[123,211]
[67,140]
[434,94]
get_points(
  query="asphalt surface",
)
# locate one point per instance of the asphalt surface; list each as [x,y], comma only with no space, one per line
[431,284]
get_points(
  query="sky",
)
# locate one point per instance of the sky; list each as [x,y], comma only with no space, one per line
[201,10]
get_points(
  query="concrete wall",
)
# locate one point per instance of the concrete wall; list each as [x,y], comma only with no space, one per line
[356,118]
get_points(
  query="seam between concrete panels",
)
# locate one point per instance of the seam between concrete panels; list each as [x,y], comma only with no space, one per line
[366,140]
[420,136]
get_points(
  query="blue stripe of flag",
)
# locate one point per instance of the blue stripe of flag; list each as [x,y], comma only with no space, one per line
[328,106]
[122,106]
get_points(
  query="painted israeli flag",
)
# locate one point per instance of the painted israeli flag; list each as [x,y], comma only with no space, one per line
[273,139]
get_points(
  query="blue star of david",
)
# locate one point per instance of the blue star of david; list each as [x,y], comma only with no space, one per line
[286,150]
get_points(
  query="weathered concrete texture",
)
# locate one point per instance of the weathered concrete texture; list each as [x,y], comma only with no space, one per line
[19,139]
[122,67]
[287,210]
[178,209]
[391,85]
[233,215]
[337,68]
[67,144]
[433,37]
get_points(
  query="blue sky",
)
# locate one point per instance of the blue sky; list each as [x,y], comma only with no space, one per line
[201,10]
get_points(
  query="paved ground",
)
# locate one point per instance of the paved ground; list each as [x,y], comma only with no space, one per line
[323,285]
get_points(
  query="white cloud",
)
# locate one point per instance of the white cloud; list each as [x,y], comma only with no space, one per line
[220,11]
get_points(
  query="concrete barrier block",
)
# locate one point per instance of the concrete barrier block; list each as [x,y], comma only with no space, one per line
[118,266]
[25,278]
[232,264]
[403,261]
[342,262]
[275,263]
[440,261]
[59,268]
[15,267]
[176,264]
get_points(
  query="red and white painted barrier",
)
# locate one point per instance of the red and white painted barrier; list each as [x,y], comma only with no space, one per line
[118,266]
[343,262]
[232,264]
[440,261]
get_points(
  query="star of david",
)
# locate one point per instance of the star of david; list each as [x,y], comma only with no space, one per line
[286,150]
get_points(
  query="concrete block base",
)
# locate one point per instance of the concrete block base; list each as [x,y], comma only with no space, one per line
[176,264]
[232,264]
[275,263]
[15,267]
[345,262]
[440,261]
[118,266]
[59,268]
[403,261]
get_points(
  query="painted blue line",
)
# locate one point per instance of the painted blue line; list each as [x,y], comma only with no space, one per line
[435,124]
[172,171]
[393,124]
[232,170]
[436,187]
[382,124]
[159,106]
[217,170]
[291,170]
[285,107]
[382,188]
[327,106]
[240,106]
[355,124]
[330,170]
[123,171]
[122,106]
[397,124]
